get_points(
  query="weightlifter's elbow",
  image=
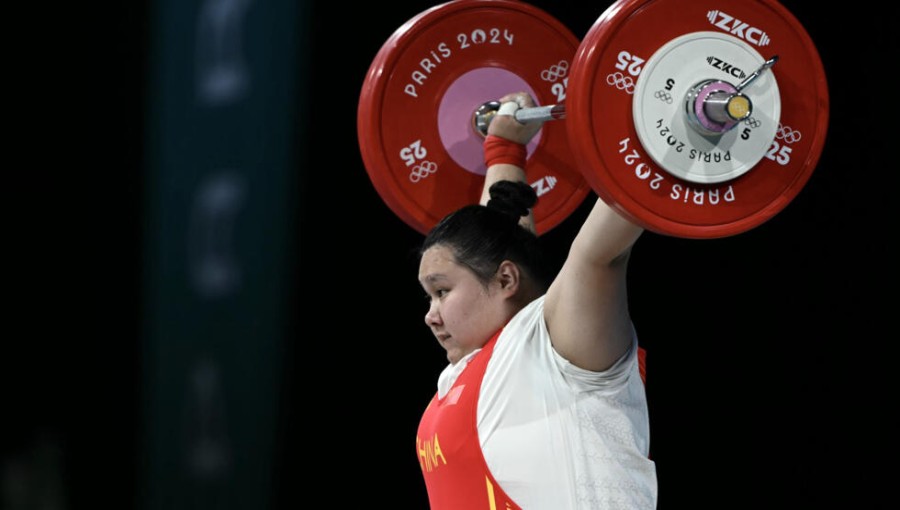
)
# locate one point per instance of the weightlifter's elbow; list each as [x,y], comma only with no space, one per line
[606,238]
[596,253]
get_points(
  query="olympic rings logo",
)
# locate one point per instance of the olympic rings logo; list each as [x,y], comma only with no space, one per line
[556,71]
[787,134]
[753,122]
[422,170]
[663,96]
[621,82]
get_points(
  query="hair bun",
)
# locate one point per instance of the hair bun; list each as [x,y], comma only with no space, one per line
[513,198]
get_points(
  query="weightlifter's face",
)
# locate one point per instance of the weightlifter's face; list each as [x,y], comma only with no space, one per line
[462,313]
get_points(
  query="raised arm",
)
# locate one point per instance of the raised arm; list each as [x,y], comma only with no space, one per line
[586,307]
[506,126]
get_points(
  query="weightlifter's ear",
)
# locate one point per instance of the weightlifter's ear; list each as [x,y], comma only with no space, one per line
[509,277]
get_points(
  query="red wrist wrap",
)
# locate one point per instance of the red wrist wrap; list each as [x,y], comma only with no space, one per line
[500,150]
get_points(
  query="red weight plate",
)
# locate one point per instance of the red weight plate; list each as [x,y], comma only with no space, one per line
[602,130]
[414,119]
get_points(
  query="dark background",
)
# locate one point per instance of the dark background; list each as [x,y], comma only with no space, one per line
[768,369]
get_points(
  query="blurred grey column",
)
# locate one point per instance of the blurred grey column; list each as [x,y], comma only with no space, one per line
[225,84]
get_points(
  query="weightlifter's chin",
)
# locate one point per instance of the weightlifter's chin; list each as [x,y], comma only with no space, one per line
[454,352]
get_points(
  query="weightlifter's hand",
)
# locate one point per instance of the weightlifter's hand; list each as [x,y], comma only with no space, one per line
[504,123]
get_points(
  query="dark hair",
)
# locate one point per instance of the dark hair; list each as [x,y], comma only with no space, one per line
[481,237]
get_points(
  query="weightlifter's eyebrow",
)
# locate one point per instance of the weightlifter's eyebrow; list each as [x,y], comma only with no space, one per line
[434,277]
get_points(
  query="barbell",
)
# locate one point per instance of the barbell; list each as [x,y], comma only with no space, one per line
[667,110]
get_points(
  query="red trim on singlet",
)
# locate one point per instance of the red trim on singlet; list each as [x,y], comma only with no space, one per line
[456,474]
